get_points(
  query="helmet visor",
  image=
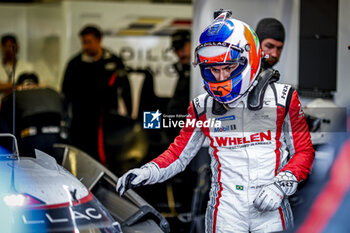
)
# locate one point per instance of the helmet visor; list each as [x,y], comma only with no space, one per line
[220,62]
[217,52]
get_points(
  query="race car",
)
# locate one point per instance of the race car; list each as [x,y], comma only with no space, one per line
[38,195]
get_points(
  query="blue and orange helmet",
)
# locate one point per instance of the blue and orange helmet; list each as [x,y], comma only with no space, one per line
[228,41]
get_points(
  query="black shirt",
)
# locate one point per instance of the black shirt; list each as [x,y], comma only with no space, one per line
[90,89]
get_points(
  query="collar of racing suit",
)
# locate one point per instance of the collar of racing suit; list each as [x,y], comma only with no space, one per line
[243,99]
[221,109]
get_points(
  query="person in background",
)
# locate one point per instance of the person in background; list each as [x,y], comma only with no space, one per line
[94,81]
[271,34]
[10,63]
[181,44]
[39,112]
[252,172]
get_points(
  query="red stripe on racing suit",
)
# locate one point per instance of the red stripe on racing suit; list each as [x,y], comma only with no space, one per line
[280,119]
[301,162]
[215,153]
[182,150]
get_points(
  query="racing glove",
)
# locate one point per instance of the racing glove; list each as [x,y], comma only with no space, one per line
[134,178]
[270,196]
[287,181]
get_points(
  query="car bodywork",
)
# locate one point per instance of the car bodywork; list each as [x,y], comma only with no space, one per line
[38,195]
[134,213]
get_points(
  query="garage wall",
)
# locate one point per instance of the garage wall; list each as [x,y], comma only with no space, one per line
[13,20]
[33,23]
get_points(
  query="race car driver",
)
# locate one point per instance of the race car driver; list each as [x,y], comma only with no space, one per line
[261,150]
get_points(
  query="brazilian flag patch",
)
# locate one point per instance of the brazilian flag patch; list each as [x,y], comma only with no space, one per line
[239,187]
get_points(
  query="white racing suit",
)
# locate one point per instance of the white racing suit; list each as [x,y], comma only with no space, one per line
[247,151]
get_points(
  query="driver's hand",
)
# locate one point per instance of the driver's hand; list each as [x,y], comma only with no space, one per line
[269,198]
[133,178]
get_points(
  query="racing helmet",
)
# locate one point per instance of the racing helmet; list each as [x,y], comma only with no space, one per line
[231,44]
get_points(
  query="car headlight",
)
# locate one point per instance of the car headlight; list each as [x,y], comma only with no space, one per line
[19,199]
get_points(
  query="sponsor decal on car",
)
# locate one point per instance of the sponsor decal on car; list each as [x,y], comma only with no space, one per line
[63,218]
